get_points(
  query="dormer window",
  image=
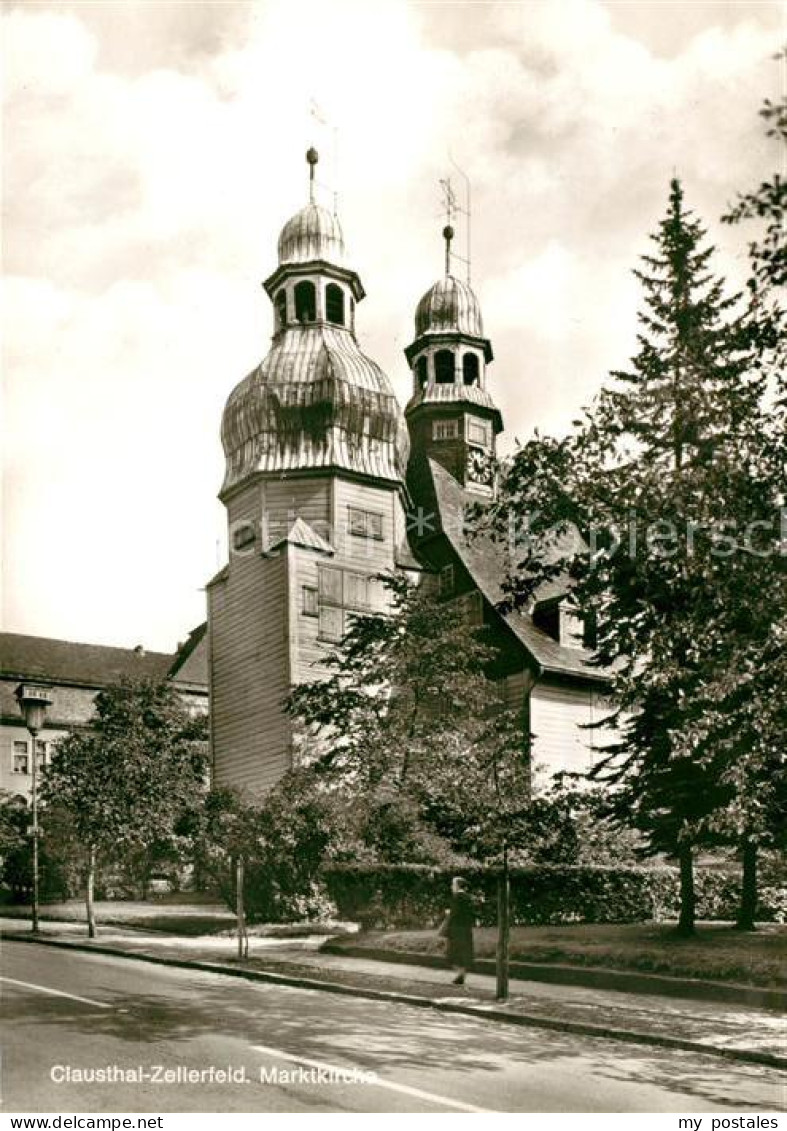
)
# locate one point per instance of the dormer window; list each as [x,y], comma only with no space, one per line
[444,367]
[470,368]
[305,301]
[334,304]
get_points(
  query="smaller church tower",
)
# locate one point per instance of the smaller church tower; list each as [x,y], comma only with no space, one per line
[451,417]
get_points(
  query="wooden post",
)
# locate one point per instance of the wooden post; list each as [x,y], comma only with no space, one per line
[89,892]
[503,917]
[243,939]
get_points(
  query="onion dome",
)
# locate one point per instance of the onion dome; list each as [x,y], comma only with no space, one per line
[313,233]
[449,306]
[315,402]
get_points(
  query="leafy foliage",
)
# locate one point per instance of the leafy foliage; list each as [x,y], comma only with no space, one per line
[129,779]
[410,736]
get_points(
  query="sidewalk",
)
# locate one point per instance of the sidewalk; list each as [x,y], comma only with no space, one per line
[755,1035]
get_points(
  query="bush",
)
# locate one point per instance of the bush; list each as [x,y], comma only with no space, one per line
[382,897]
[403,896]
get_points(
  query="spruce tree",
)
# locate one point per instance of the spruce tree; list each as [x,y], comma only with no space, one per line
[662,477]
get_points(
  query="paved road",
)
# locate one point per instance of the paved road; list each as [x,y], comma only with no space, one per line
[87,1011]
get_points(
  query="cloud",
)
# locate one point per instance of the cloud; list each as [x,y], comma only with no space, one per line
[152,154]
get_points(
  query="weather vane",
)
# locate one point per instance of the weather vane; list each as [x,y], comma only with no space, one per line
[317,114]
[452,209]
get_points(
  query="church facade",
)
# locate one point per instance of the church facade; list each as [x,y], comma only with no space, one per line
[328,484]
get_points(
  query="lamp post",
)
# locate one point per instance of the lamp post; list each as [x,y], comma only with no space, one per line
[33,701]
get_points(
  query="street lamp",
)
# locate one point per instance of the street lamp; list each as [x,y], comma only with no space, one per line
[33,701]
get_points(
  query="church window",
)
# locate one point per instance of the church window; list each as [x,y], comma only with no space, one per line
[21,758]
[478,432]
[356,590]
[444,367]
[331,623]
[243,536]
[447,581]
[305,301]
[281,308]
[334,304]
[445,429]
[422,370]
[331,586]
[470,368]
[365,524]
[310,604]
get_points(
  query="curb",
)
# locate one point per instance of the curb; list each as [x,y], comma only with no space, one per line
[479,1012]
[594,977]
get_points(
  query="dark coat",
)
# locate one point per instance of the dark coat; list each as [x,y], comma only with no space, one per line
[459,931]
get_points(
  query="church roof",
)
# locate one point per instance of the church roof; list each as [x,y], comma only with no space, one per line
[312,233]
[485,561]
[449,306]
[433,393]
[315,401]
[303,535]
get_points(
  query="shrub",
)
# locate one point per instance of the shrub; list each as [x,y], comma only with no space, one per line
[384,896]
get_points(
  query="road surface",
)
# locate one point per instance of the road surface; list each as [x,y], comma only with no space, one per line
[66,1013]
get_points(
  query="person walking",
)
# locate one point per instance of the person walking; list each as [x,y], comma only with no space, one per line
[457,930]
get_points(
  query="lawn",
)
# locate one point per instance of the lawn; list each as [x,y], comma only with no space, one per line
[192,918]
[717,952]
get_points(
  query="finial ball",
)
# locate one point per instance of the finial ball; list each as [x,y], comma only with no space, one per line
[448,232]
[312,156]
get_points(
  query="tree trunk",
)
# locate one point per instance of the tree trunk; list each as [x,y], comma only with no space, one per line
[240,910]
[687,895]
[748,904]
[89,890]
[503,916]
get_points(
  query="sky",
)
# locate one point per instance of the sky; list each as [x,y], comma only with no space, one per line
[153,151]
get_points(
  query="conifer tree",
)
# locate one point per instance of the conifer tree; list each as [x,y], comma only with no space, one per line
[662,477]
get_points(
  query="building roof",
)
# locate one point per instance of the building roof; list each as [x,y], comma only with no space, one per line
[486,562]
[449,305]
[312,233]
[315,401]
[88,665]
[191,659]
[303,535]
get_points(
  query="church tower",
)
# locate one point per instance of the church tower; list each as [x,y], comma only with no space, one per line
[316,451]
[451,417]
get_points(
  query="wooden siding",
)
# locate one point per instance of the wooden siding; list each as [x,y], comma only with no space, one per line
[556,713]
[284,500]
[248,624]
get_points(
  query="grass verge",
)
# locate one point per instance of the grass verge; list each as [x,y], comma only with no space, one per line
[716,953]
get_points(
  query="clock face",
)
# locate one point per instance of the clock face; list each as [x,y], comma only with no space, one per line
[480,468]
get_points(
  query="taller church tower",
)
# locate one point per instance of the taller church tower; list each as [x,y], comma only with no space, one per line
[316,452]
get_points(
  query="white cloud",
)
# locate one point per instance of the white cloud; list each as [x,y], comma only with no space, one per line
[151,162]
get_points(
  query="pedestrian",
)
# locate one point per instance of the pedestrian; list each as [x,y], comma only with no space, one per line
[457,930]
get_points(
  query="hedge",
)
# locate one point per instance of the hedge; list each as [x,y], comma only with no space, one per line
[384,896]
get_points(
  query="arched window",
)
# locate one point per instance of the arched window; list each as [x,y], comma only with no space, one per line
[305,301]
[444,367]
[422,369]
[470,368]
[334,304]
[281,307]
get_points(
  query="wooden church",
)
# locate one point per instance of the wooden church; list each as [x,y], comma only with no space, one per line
[329,484]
